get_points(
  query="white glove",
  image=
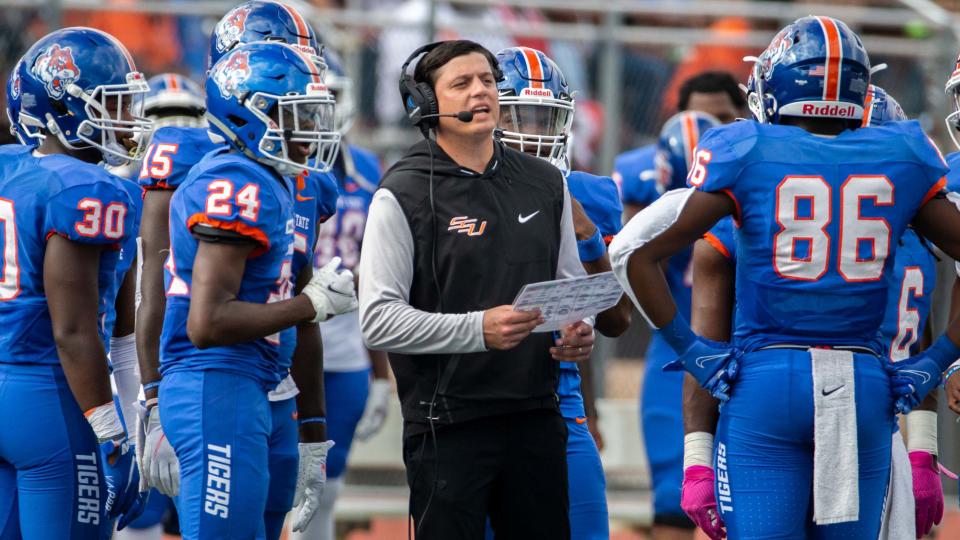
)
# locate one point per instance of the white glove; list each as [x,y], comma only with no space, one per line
[160,465]
[375,412]
[140,439]
[331,291]
[311,477]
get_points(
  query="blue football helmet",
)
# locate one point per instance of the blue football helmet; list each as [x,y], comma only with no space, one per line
[174,100]
[14,93]
[881,108]
[342,87]
[815,67]
[536,107]
[263,20]
[265,96]
[675,147]
[953,89]
[82,86]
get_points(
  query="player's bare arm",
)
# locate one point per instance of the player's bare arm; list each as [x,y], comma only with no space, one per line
[217,317]
[307,372]
[155,245]
[701,211]
[710,316]
[71,284]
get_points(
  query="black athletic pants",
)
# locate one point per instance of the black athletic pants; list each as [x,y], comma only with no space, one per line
[512,468]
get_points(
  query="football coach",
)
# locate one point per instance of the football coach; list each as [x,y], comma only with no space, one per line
[459,225]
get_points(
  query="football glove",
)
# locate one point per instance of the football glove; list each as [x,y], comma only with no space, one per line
[331,291]
[160,465]
[375,412]
[912,379]
[311,477]
[699,502]
[927,491]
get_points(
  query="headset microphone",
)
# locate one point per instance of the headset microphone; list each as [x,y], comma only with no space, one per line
[463,116]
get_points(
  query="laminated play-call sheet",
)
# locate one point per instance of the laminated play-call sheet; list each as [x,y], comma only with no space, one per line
[564,301]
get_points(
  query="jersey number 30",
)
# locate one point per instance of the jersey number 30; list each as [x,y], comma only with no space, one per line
[801,249]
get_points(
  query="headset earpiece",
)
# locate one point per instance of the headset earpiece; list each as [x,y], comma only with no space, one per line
[419,100]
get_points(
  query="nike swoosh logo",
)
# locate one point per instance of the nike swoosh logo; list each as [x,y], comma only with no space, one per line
[301,198]
[925,375]
[826,392]
[331,289]
[702,360]
[523,219]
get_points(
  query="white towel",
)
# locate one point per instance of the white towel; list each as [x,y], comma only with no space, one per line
[836,496]
[899,519]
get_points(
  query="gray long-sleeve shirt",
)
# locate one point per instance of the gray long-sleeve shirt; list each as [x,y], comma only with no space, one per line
[388,321]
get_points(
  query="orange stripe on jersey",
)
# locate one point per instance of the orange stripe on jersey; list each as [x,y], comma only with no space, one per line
[691,136]
[534,68]
[717,244]
[302,29]
[831,79]
[937,188]
[868,107]
[252,233]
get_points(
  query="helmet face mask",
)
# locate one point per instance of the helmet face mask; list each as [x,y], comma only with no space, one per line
[953,119]
[536,107]
[536,126]
[115,113]
[295,123]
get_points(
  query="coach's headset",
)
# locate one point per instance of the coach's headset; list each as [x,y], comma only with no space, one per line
[420,100]
[423,111]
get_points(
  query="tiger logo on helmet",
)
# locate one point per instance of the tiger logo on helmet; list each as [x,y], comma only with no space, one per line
[229,75]
[56,68]
[231,27]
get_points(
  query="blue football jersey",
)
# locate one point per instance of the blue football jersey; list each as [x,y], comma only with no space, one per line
[600,200]
[173,151]
[818,224]
[909,299]
[41,197]
[314,195]
[342,235]
[635,172]
[128,254]
[953,175]
[229,191]
[723,238]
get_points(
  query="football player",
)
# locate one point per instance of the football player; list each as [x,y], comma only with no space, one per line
[173,100]
[356,403]
[536,114]
[814,201]
[952,383]
[66,464]
[643,177]
[230,291]
[173,151]
[906,329]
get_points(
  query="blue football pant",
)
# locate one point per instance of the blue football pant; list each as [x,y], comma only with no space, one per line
[765,436]
[284,460]
[587,485]
[661,422]
[50,480]
[346,393]
[219,426]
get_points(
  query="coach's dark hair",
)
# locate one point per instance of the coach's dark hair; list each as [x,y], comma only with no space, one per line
[711,82]
[426,70]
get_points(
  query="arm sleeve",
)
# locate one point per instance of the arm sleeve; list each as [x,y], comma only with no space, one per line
[568,261]
[721,237]
[387,319]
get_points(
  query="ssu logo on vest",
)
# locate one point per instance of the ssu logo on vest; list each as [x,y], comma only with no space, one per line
[467,226]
